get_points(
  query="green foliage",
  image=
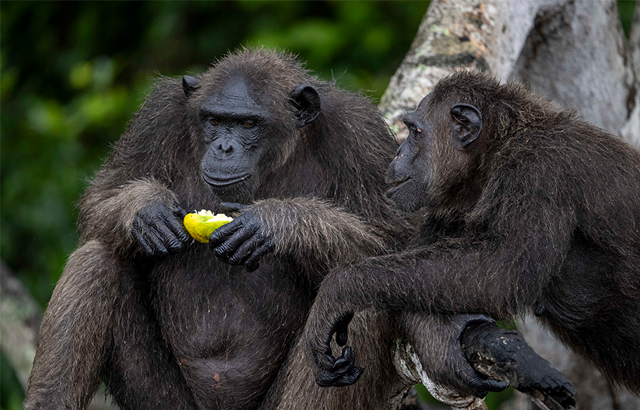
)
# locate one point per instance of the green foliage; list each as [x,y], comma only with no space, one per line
[626,9]
[11,396]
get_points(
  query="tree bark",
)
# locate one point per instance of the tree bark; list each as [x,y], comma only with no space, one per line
[571,51]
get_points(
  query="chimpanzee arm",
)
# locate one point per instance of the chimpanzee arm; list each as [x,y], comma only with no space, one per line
[315,233]
[129,205]
[500,273]
[138,216]
[75,333]
[96,324]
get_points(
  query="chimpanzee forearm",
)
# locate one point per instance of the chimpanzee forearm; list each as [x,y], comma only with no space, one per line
[75,333]
[435,279]
[501,273]
[141,172]
[314,233]
[109,214]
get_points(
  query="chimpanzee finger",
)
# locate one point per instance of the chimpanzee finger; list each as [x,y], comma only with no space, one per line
[245,250]
[341,328]
[232,208]
[156,244]
[232,244]
[342,331]
[495,385]
[342,363]
[252,263]
[345,372]
[144,244]
[178,230]
[351,377]
[220,235]
[481,386]
[165,230]
[180,212]
[342,337]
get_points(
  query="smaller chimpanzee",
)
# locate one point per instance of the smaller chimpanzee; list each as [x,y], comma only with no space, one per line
[527,209]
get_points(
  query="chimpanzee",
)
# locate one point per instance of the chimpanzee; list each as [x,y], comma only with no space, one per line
[165,323]
[527,210]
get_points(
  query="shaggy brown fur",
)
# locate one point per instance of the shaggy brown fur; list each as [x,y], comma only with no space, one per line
[184,330]
[540,213]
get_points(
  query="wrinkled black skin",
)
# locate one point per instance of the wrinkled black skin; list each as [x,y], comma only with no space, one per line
[528,210]
[160,231]
[241,242]
[513,355]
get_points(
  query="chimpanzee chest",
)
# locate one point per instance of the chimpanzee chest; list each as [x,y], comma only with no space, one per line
[229,329]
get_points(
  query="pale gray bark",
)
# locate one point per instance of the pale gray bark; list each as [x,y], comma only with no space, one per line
[631,130]
[577,56]
[570,51]
[20,319]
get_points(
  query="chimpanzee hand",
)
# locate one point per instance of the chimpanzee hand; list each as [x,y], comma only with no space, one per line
[159,230]
[332,372]
[242,241]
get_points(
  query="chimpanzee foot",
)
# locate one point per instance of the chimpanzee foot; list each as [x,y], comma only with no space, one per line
[553,391]
[505,355]
[339,372]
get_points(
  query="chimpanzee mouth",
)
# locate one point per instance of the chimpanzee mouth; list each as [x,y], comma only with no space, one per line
[218,182]
[397,185]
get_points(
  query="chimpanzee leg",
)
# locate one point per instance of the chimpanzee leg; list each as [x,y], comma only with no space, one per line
[142,372]
[95,325]
[505,355]
[76,331]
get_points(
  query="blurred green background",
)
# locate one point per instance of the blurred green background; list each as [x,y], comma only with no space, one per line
[72,75]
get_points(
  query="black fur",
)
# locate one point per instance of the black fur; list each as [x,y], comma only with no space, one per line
[541,210]
[160,319]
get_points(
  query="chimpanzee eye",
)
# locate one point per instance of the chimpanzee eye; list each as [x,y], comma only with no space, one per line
[213,121]
[248,124]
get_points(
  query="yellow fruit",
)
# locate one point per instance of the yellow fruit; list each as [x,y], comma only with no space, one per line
[202,224]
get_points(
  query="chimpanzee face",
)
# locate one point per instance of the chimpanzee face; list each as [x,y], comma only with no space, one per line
[409,173]
[235,128]
[244,138]
[434,155]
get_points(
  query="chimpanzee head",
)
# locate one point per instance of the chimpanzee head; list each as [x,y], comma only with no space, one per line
[249,120]
[434,166]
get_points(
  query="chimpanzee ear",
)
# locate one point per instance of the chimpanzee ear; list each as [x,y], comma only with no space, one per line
[307,101]
[189,85]
[466,124]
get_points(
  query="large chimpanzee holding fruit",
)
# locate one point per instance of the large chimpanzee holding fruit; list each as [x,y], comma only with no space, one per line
[528,210]
[167,323]
[162,320]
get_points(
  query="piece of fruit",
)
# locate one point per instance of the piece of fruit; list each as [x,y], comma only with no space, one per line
[201,225]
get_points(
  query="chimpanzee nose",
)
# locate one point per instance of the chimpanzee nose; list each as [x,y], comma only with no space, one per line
[224,147]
